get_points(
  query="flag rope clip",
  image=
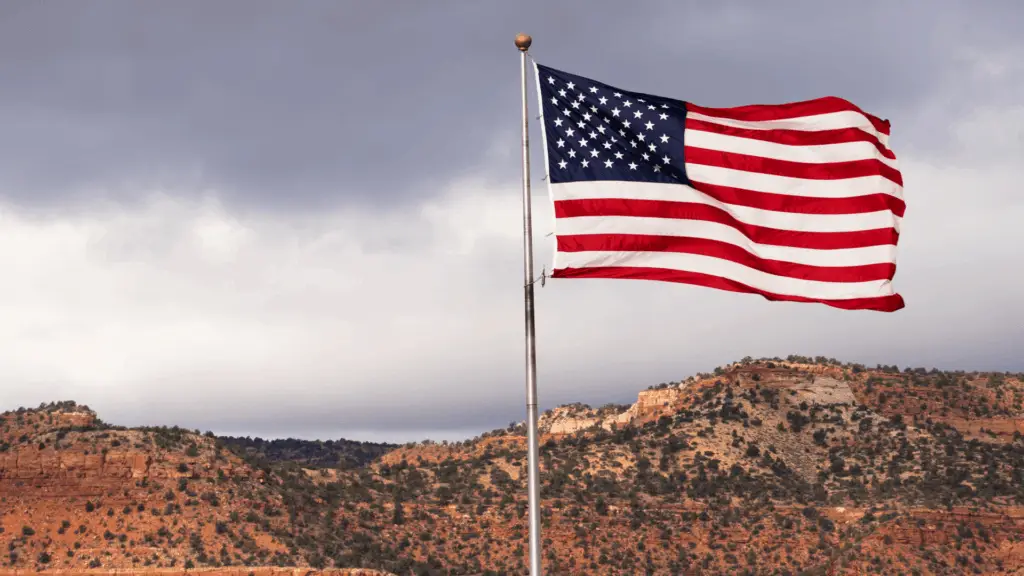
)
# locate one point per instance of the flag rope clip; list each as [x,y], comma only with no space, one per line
[542,278]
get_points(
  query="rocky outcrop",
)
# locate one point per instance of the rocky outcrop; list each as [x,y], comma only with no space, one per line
[986,428]
[62,454]
[79,490]
[650,405]
[568,420]
[60,473]
[54,466]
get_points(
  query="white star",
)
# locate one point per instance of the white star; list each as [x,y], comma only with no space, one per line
[566,111]
[570,132]
[627,103]
[649,125]
[602,100]
[653,148]
[572,153]
[563,164]
[587,163]
[554,100]
[640,136]
[632,143]
[581,124]
[664,105]
[570,86]
[614,140]
[650,106]
[593,134]
[622,133]
[665,159]
[581,97]
[593,89]
[646,156]
[551,80]
[561,93]
[632,166]
[626,123]
[641,100]
[558,121]
[663,116]
[618,155]
[607,145]
[575,105]
[638,114]
[586,116]
[618,94]
[594,153]
[593,109]
[607,163]
[601,129]
[560,143]
[583,143]
[657,168]
[615,112]
[664,138]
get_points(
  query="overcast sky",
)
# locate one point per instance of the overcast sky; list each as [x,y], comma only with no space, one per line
[303,219]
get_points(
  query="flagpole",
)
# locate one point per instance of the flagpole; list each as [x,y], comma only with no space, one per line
[523,42]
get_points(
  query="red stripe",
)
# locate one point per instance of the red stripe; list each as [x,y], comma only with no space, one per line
[693,211]
[762,112]
[790,169]
[794,137]
[725,251]
[890,303]
[802,204]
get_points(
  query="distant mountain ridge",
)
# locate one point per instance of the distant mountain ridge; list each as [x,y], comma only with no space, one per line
[341,453]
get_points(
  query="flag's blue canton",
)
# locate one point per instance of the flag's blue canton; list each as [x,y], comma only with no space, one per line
[599,132]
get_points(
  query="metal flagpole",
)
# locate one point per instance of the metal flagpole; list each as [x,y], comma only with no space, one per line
[523,42]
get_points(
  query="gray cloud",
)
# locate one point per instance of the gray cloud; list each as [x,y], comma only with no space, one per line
[299,106]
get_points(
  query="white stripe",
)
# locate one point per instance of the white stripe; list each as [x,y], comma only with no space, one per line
[812,154]
[723,233]
[605,189]
[544,141]
[829,121]
[727,269]
[811,188]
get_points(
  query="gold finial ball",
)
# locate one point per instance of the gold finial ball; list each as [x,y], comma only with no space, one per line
[523,42]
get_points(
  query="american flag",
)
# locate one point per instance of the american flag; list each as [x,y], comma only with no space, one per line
[799,202]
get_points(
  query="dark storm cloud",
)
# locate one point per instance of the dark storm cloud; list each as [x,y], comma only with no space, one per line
[290,105]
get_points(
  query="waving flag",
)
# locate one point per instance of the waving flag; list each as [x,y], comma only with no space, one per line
[799,202]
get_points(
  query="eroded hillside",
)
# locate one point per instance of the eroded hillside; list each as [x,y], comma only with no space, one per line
[765,467]
[76,493]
